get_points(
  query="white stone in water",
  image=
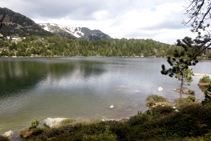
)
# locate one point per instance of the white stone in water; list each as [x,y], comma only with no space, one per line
[160,89]
[53,122]
[111,107]
[8,134]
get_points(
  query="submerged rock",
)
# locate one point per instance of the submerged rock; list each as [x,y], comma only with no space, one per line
[112,107]
[8,134]
[53,122]
[160,89]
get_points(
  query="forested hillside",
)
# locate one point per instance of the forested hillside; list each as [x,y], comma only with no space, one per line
[17,24]
[57,46]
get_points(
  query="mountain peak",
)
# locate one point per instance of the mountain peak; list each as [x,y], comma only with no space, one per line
[20,25]
[74,32]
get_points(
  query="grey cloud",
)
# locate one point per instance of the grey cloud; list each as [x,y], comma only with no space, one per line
[76,9]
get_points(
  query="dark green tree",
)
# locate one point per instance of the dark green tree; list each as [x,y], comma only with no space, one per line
[207,100]
[180,62]
[199,16]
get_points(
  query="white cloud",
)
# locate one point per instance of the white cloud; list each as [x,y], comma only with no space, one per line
[159,20]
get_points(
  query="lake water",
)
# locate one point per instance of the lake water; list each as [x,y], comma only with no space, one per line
[82,88]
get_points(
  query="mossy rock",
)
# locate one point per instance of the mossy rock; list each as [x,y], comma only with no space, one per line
[26,133]
[203,84]
[191,92]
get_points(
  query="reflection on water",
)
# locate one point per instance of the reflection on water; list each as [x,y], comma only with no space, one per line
[81,87]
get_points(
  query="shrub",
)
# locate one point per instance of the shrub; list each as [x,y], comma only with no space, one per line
[191,92]
[183,102]
[191,98]
[153,99]
[156,98]
[207,101]
[34,124]
[205,79]
[68,121]
[37,131]
[139,119]
[162,110]
[2,138]
[106,136]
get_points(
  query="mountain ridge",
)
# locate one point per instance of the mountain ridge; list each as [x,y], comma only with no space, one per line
[83,33]
[17,24]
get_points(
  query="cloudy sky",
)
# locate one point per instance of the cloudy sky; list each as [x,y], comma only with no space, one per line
[161,20]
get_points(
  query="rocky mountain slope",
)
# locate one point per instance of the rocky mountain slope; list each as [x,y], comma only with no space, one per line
[17,24]
[74,32]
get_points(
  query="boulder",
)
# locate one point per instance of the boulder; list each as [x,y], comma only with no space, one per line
[53,122]
[8,134]
[160,89]
[112,107]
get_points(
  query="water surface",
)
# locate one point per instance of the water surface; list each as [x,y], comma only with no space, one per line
[81,88]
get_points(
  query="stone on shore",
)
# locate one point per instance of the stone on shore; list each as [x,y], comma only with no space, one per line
[8,134]
[53,122]
[112,107]
[203,84]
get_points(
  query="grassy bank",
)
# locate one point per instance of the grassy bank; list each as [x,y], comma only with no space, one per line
[190,121]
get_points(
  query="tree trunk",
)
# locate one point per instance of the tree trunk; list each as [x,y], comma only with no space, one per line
[181,86]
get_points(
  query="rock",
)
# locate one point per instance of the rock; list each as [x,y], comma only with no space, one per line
[191,92]
[165,103]
[53,122]
[26,133]
[203,84]
[201,74]
[160,89]
[8,134]
[123,120]
[111,107]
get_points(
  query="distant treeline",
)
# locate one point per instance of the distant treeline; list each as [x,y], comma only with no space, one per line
[48,46]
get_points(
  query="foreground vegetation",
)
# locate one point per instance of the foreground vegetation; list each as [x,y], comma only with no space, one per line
[160,123]
[186,120]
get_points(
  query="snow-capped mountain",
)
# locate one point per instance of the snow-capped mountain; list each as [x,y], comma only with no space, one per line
[74,32]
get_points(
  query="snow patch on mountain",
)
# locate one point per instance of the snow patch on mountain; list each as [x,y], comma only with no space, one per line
[75,31]
[51,27]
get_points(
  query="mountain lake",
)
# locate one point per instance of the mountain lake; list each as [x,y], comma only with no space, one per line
[82,88]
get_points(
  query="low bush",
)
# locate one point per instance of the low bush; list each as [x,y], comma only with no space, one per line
[156,98]
[2,138]
[34,124]
[191,122]
[153,99]
[163,110]
[68,121]
[205,79]
[183,102]
[207,101]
